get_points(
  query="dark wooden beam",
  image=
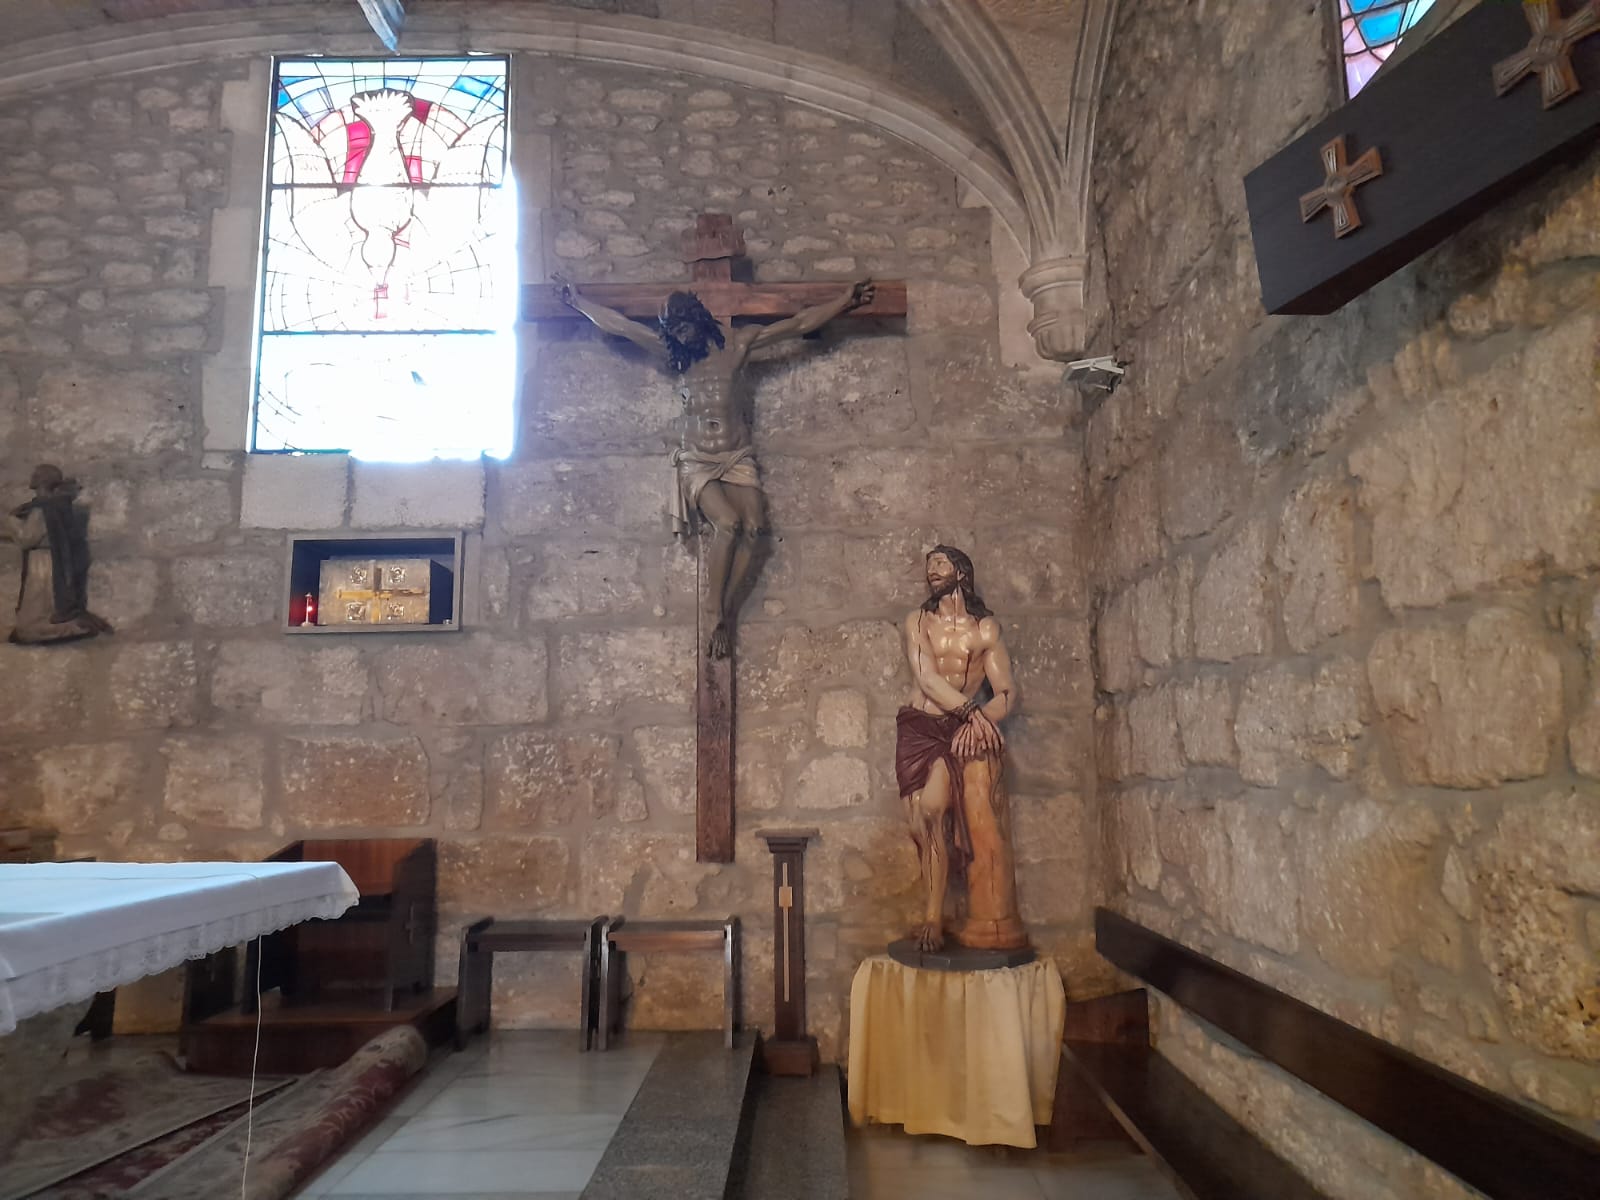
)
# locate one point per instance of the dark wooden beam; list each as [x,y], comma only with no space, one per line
[1450,146]
[1503,1149]
[1205,1152]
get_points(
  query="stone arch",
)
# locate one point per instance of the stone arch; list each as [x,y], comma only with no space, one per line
[39,64]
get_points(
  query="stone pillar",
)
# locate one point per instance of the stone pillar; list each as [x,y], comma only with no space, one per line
[1055,288]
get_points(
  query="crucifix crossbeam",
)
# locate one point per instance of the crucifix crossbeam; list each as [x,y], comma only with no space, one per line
[714,249]
[717,474]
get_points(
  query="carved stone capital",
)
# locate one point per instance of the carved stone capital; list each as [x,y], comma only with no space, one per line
[1055,288]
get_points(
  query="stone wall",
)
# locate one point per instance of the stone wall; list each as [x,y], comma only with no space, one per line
[1347,637]
[549,745]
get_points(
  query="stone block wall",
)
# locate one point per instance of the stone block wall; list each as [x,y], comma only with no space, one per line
[1345,589]
[549,745]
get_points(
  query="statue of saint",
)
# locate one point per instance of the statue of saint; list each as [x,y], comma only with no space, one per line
[52,532]
[718,482]
[948,759]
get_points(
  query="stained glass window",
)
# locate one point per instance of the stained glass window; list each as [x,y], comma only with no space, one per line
[1369,30]
[388,287]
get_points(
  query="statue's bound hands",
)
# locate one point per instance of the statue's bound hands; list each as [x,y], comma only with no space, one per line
[978,738]
[862,294]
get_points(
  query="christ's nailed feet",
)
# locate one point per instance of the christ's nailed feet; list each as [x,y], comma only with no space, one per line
[721,644]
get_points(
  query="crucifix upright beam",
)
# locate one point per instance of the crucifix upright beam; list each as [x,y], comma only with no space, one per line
[714,255]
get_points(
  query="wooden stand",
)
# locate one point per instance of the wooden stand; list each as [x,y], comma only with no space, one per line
[790,1050]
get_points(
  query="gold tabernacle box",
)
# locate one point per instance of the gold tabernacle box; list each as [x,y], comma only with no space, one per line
[382,591]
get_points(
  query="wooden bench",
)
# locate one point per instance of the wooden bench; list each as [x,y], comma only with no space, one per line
[483,939]
[1504,1149]
[649,937]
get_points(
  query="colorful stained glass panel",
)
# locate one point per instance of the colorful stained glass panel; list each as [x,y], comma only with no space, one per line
[1369,31]
[387,213]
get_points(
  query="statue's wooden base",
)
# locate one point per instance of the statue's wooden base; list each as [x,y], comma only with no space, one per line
[959,958]
[790,1056]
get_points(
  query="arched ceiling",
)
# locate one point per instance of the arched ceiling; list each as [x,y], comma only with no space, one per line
[985,85]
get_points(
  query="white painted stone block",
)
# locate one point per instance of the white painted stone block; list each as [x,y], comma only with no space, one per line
[429,495]
[294,491]
[225,403]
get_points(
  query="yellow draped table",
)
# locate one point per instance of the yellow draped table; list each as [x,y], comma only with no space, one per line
[968,1054]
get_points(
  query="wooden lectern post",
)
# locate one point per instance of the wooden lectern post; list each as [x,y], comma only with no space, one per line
[790,1050]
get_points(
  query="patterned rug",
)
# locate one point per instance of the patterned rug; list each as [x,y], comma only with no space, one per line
[114,1178]
[295,1131]
[99,1110]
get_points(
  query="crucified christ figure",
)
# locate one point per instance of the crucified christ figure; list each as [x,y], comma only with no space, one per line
[718,482]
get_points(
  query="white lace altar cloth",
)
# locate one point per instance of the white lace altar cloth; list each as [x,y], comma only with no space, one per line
[69,930]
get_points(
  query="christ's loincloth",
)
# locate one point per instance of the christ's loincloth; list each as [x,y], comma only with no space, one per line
[694,469]
[922,739]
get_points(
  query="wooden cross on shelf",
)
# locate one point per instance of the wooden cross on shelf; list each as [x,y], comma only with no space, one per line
[720,276]
[1548,53]
[1341,178]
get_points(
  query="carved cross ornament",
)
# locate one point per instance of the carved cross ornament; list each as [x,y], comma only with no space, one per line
[1341,178]
[1549,53]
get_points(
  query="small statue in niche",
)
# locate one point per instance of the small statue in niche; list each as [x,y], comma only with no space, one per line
[51,530]
[947,760]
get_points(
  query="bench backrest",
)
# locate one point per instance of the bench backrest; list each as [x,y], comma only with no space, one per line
[1502,1148]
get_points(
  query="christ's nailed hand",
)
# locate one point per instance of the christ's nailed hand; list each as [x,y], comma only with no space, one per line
[863,292]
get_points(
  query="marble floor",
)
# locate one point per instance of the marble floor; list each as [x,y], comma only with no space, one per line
[525,1116]
[522,1115]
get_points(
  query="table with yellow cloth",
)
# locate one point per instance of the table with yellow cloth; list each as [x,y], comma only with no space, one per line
[968,1054]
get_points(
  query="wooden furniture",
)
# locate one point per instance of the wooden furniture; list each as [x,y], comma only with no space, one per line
[484,938]
[337,983]
[1505,1150]
[657,937]
[790,1050]
[20,844]
[382,946]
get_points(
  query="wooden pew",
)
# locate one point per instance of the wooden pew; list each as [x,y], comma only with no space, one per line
[1504,1149]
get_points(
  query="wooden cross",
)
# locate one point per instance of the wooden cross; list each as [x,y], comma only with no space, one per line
[1549,53]
[715,255]
[1339,184]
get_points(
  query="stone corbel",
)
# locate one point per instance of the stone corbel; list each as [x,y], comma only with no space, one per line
[1053,174]
[1054,286]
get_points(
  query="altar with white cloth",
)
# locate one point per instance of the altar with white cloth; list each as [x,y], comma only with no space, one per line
[69,930]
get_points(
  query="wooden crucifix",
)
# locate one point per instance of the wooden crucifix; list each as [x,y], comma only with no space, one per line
[718,486]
